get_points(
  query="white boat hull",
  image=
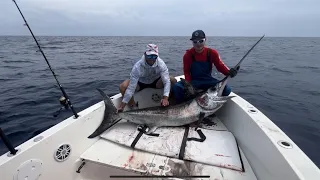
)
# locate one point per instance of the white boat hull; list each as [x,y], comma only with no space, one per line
[258,137]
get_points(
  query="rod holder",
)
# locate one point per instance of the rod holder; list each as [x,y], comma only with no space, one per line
[6,141]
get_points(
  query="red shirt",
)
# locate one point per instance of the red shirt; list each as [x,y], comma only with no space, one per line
[215,59]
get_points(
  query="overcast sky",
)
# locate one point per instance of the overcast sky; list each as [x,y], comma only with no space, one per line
[162,17]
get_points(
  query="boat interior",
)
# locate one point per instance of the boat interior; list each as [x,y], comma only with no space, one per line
[237,142]
[218,156]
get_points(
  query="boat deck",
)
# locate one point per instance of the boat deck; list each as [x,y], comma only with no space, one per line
[107,154]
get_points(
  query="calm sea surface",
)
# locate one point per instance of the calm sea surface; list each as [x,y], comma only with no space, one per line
[281,77]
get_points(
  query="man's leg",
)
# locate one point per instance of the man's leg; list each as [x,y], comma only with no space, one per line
[123,87]
[160,85]
[178,92]
[226,90]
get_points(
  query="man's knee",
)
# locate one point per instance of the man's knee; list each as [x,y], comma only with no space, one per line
[177,86]
[160,83]
[173,80]
[226,91]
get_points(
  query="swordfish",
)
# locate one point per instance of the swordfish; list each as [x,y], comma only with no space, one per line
[195,109]
[199,106]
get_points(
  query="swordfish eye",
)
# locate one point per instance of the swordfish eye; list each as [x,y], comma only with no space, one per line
[212,89]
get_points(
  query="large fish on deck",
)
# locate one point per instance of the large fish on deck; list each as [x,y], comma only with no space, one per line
[199,106]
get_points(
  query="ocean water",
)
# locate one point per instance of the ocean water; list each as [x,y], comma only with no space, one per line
[281,77]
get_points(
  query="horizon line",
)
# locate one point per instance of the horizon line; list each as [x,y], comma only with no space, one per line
[1,35]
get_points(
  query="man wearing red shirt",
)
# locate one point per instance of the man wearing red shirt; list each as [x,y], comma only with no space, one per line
[197,67]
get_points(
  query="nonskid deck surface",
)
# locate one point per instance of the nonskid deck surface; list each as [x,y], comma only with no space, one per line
[218,156]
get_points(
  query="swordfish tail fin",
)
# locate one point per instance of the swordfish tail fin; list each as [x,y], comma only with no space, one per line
[110,116]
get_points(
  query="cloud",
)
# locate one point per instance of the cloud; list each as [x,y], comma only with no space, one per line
[166,17]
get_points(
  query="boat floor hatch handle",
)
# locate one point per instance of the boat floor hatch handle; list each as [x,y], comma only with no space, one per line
[81,166]
[201,139]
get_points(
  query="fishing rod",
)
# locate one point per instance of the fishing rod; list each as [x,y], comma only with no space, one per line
[237,67]
[67,100]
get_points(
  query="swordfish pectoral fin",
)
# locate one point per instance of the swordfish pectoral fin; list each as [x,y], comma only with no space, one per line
[151,130]
[201,117]
[223,98]
[226,98]
[148,130]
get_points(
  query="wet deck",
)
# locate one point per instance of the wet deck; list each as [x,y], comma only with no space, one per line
[105,153]
[111,154]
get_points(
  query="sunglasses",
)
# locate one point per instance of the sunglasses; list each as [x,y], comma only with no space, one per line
[198,41]
[152,57]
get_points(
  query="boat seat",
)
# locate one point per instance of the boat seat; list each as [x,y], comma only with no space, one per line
[114,152]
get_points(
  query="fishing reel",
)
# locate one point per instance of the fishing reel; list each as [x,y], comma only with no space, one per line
[64,103]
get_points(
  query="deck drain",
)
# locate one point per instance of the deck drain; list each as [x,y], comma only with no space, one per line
[285,144]
[253,111]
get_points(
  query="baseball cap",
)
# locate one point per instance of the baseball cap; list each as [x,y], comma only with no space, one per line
[152,49]
[198,34]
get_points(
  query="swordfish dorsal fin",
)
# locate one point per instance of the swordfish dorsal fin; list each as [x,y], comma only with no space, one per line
[188,88]
[189,91]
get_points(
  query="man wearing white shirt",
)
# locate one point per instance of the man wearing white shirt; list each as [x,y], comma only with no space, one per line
[149,72]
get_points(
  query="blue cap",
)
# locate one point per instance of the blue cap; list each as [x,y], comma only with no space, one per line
[198,34]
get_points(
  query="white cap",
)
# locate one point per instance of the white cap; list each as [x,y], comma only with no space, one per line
[152,49]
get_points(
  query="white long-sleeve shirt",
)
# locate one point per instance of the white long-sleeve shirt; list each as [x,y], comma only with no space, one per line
[147,74]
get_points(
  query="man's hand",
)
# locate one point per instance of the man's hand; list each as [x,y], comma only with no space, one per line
[122,106]
[233,72]
[164,101]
